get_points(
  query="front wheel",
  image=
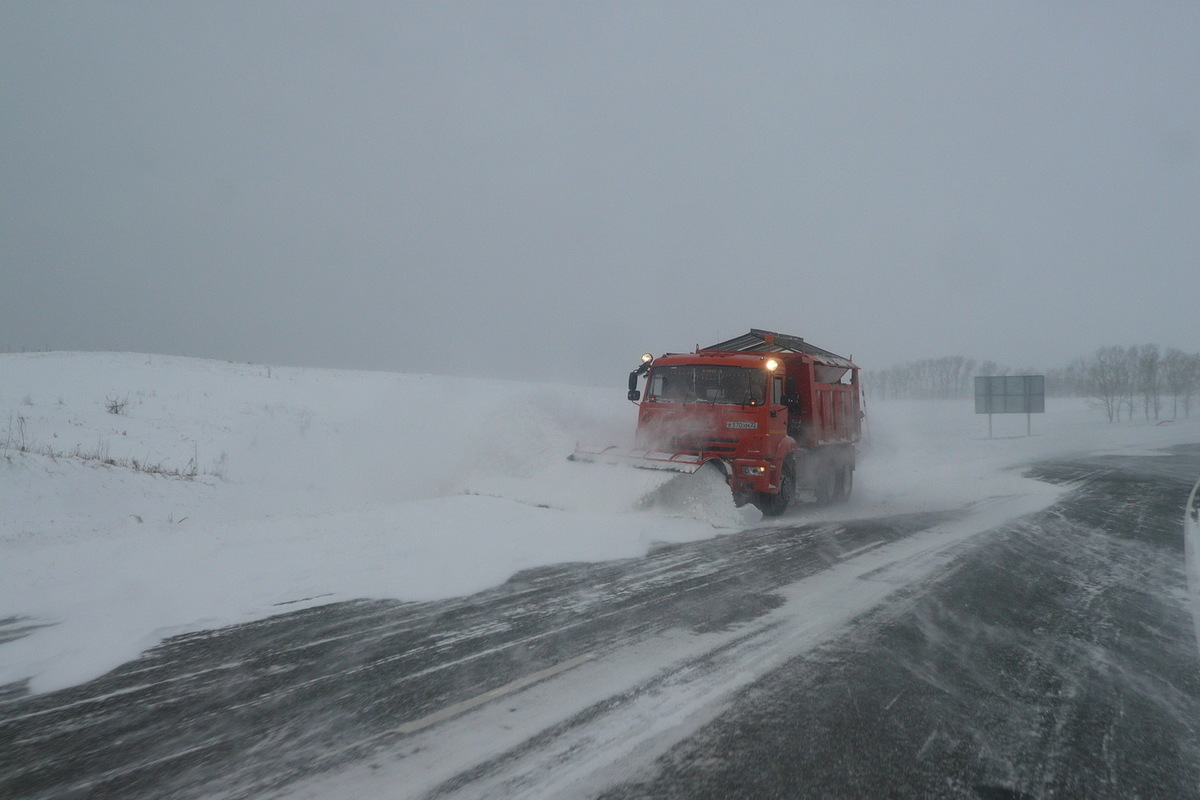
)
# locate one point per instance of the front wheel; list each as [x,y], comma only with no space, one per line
[772,505]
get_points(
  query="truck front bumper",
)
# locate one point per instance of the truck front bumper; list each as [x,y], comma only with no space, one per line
[753,476]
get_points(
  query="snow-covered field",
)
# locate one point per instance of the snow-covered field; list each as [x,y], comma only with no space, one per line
[223,493]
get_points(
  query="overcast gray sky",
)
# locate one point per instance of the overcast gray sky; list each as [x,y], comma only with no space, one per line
[545,190]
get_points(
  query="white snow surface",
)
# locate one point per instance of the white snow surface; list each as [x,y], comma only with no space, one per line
[316,486]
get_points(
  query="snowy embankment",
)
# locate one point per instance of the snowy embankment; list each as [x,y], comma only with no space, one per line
[222,493]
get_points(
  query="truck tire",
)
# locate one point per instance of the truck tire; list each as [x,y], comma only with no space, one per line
[772,505]
[845,482]
[826,484]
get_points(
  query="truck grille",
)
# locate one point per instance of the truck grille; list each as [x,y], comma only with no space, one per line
[705,445]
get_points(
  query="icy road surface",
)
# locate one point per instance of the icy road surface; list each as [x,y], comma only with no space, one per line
[1022,646]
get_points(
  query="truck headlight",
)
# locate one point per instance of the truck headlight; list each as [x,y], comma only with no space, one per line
[754,472]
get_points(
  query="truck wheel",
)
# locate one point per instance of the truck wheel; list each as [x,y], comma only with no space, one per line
[845,483]
[772,505]
[826,485]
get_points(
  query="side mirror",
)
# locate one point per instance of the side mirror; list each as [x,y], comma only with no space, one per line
[634,395]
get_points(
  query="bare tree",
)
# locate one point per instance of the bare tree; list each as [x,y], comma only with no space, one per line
[990,367]
[1193,383]
[946,377]
[1175,364]
[1115,378]
[1129,372]
[968,372]
[1109,380]
[1181,378]
[1149,378]
[1068,381]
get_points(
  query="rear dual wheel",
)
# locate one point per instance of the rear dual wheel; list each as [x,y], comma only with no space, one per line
[826,486]
[845,482]
[834,484]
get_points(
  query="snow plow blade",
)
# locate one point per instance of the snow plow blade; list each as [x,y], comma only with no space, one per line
[686,463]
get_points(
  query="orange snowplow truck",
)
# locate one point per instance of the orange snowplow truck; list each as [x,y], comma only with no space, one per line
[778,416]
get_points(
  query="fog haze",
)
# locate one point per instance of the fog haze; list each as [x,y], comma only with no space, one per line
[546,190]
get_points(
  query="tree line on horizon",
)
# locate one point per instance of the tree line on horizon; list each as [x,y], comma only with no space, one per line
[1120,381]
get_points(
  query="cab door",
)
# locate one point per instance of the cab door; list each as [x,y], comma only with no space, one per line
[779,425]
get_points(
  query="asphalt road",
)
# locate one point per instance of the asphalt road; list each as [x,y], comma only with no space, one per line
[1057,661]
[1053,657]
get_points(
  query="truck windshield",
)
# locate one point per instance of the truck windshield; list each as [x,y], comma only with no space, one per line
[691,383]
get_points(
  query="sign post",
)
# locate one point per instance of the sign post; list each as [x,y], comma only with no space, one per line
[1011,394]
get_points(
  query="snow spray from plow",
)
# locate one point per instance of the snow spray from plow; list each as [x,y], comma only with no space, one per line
[699,489]
[702,495]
